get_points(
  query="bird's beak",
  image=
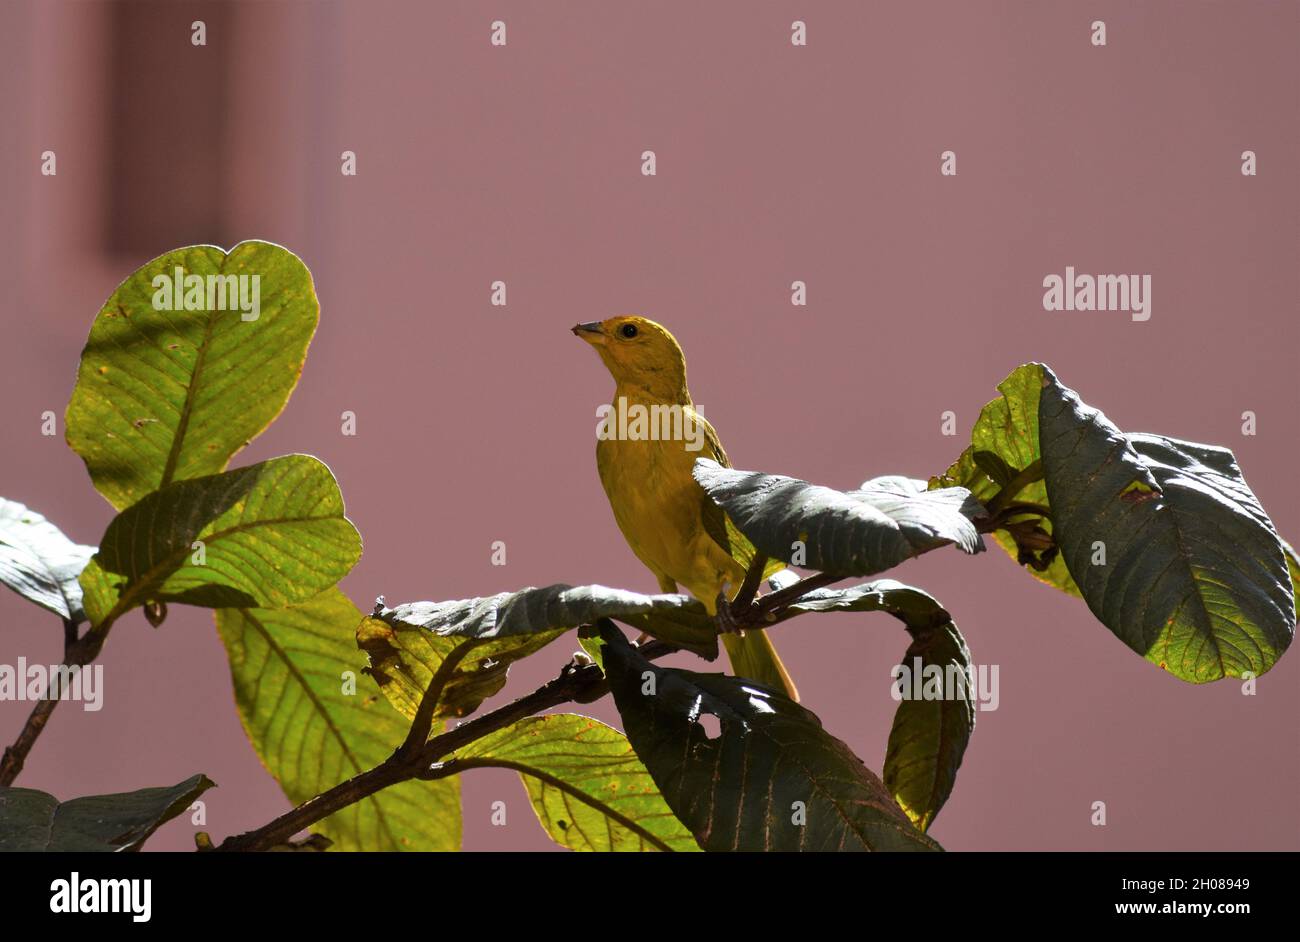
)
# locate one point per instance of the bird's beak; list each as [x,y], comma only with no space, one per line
[589,332]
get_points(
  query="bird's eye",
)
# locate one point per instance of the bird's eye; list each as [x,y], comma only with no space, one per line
[628,330]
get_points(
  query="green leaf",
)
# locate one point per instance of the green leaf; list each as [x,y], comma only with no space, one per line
[403,660]
[99,593]
[1293,567]
[589,789]
[678,619]
[408,644]
[915,608]
[315,723]
[590,641]
[271,534]
[995,466]
[39,563]
[32,820]
[854,533]
[929,736]
[771,763]
[167,395]
[1004,443]
[1194,578]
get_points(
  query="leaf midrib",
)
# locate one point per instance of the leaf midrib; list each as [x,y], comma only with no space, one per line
[321,711]
[479,762]
[815,781]
[137,588]
[182,424]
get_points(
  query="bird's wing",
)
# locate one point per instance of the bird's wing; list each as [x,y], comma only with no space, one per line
[751,654]
[716,522]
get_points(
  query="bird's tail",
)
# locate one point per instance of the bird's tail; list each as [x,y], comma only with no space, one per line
[753,656]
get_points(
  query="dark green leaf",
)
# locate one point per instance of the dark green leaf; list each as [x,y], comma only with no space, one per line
[166,395]
[32,820]
[771,779]
[929,735]
[1293,566]
[316,720]
[995,466]
[915,608]
[589,789]
[409,643]
[678,619]
[39,563]
[1194,578]
[854,533]
[272,534]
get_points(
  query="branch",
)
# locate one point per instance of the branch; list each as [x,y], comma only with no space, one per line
[1031,474]
[16,755]
[1016,508]
[423,721]
[581,683]
[757,614]
[576,683]
[749,588]
[760,612]
[76,653]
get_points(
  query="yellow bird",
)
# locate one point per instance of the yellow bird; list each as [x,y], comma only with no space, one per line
[666,518]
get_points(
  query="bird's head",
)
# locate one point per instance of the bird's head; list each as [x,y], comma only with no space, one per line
[639,353]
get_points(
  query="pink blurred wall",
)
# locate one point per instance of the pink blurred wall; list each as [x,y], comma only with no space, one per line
[775,163]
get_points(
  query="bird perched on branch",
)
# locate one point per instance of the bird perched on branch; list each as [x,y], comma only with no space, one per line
[650,440]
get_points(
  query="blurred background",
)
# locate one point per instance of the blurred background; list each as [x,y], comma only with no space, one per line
[775,163]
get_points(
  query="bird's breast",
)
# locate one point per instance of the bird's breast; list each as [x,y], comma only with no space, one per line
[655,499]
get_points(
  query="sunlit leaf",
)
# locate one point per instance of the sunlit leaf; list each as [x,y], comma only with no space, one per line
[267,535]
[408,644]
[39,563]
[588,787]
[846,533]
[316,720]
[167,395]
[1165,540]
[1004,443]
